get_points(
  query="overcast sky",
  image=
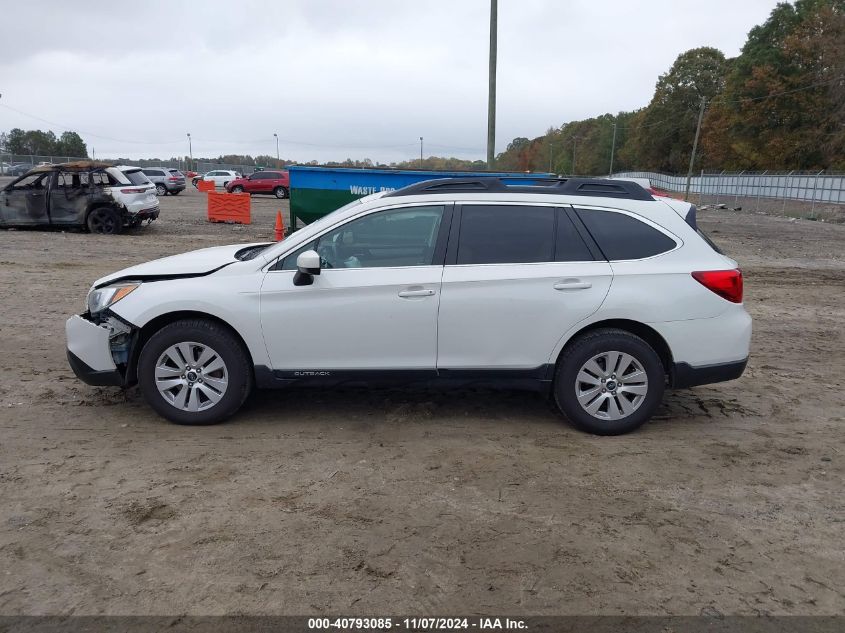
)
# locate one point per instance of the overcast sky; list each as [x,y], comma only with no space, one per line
[337,78]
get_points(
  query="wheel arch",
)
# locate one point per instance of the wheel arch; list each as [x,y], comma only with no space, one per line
[152,326]
[645,332]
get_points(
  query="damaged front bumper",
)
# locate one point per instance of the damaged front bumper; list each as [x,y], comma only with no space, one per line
[98,353]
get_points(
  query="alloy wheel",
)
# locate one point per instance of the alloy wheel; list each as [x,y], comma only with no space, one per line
[191,376]
[611,385]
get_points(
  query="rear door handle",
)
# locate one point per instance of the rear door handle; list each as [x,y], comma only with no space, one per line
[572,284]
[422,292]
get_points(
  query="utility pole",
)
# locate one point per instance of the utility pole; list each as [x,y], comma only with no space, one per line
[550,157]
[421,152]
[574,144]
[612,149]
[695,145]
[278,160]
[190,153]
[491,94]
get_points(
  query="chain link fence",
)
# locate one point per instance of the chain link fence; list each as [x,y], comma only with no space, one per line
[17,164]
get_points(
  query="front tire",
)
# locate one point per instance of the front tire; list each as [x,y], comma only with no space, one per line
[237,189]
[280,192]
[161,190]
[194,372]
[609,382]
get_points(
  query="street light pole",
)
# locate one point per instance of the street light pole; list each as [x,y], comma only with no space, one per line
[190,153]
[612,148]
[574,144]
[277,149]
[695,146]
[491,94]
[550,156]
[421,152]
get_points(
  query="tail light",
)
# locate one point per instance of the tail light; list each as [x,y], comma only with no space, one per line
[725,283]
[144,190]
[174,179]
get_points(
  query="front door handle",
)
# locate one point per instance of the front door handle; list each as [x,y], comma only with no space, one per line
[572,284]
[422,292]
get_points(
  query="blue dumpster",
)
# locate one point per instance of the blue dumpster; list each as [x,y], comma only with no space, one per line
[317,191]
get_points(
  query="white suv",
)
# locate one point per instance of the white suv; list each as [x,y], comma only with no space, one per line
[589,290]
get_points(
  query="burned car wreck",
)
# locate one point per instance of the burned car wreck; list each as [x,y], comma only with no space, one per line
[87,194]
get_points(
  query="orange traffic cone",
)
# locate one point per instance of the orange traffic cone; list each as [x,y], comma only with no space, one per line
[280,227]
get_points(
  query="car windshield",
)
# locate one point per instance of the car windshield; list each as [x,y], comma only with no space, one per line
[136,177]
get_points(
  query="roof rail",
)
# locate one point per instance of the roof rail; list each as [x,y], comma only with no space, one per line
[596,187]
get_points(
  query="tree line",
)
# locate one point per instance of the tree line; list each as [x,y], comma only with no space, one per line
[38,143]
[779,105]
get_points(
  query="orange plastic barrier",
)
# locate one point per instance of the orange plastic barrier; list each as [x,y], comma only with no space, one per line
[228,207]
[205,185]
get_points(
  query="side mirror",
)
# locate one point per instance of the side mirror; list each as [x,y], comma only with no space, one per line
[308,265]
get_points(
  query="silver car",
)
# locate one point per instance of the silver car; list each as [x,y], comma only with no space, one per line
[166,179]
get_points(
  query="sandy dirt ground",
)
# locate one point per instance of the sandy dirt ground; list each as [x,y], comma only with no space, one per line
[388,501]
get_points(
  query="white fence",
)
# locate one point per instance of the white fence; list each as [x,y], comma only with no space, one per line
[816,187]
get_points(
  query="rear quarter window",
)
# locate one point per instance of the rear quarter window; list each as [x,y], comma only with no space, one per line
[621,236]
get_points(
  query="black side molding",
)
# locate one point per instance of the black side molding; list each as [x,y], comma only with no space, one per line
[536,379]
[685,375]
[93,377]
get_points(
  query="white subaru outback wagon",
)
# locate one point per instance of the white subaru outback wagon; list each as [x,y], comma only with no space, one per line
[592,291]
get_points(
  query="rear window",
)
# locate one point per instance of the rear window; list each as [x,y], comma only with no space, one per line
[175,172]
[621,236]
[136,177]
[506,234]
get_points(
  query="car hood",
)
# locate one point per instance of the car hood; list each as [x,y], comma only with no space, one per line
[193,264]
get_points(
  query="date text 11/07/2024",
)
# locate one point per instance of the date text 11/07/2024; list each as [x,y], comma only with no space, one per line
[417,624]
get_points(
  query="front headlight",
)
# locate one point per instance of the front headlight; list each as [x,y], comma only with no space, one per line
[102,298]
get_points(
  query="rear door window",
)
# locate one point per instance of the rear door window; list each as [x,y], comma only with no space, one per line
[621,236]
[506,234]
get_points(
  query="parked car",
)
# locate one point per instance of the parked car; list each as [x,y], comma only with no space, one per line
[276,183]
[220,177]
[166,180]
[4,167]
[589,290]
[86,194]
[19,169]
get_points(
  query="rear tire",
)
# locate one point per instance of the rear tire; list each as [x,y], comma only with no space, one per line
[104,220]
[609,382]
[194,372]
[280,192]
[161,190]
[176,193]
